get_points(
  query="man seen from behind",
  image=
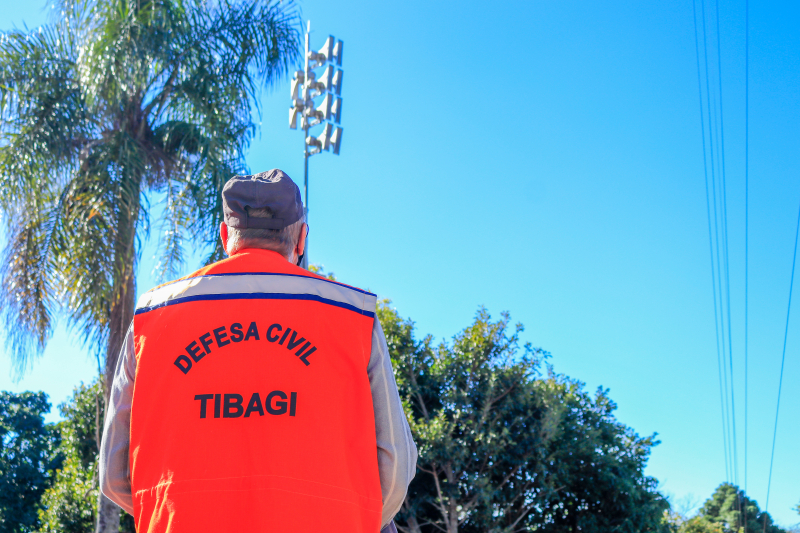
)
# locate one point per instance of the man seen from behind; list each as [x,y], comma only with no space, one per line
[255,396]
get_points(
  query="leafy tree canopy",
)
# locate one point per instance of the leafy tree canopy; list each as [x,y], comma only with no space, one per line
[111,100]
[734,512]
[26,459]
[70,504]
[728,510]
[505,449]
[700,524]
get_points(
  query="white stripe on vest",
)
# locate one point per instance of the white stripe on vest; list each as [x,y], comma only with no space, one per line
[257,286]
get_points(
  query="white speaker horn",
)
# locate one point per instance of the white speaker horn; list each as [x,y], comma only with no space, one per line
[296,85]
[336,82]
[337,53]
[323,110]
[326,78]
[324,54]
[325,137]
[336,140]
[336,110]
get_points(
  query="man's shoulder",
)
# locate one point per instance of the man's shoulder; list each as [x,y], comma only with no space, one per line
[330,279]
[259,269]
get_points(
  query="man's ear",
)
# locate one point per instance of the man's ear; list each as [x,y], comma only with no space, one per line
[301,242]
[223,235]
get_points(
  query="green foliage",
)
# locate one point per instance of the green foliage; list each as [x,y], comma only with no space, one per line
[728,510]
[734,512]
[594,466]
[469,407]
[83,419]
[26,458]
[700,524]
[70,505]
[503,449]
[110,101]
[320,270]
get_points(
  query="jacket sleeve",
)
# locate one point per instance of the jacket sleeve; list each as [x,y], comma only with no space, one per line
[397,453]
[115,476]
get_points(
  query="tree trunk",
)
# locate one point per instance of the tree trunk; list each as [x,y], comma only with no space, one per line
[121,317]
[452,519]
[412,526]
[452,505]
[122,308]
[107,516]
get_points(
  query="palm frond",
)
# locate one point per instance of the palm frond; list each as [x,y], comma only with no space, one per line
[112,101]
[42,117]
[26,293]
[175,223]
[85,245]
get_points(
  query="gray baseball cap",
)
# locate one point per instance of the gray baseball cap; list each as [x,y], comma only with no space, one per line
[273,189]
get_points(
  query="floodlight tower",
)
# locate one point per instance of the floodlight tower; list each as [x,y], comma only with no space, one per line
[308,85]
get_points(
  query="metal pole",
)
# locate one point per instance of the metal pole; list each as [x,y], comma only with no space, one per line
[304,264]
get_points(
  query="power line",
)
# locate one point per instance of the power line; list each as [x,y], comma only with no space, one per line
[746,211]
[719,285]
[719,215]
[708,213]
[717,276]
[723,190]
[783,360]
[746,218]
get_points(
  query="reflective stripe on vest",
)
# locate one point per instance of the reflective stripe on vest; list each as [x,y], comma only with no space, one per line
[249,285]
[252,409]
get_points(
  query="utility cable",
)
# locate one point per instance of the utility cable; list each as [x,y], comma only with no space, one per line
[713,125]
[708,216]
[717,276]
[720,252]
[746,222]
[783,360]
[723,190]
[746,212]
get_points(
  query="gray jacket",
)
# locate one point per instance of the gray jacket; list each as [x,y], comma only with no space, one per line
[397,453]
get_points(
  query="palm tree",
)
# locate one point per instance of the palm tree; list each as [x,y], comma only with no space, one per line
[111,103]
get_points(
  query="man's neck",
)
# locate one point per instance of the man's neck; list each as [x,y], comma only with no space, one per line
[262,251]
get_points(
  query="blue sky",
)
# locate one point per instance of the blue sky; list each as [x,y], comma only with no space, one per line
[545,158]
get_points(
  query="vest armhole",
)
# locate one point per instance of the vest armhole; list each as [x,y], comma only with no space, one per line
[367,351]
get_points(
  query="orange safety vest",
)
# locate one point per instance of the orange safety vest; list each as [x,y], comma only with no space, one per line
[252,408]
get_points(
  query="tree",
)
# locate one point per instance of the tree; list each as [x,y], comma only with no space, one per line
[469,408]
[110,102]
[731,510]
[50,470]
[26,459]
[70,504]
[699,524]
[594,467]
[503,449]
[728,510]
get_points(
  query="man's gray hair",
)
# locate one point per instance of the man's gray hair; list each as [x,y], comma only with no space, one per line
[282,241]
